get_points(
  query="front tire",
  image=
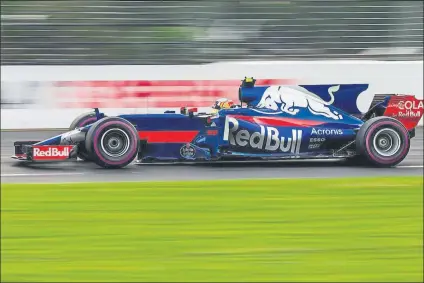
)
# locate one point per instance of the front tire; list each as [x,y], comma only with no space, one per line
[383,142]
[82,121]
[112,142]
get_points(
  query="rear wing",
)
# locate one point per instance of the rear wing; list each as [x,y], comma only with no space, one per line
[403,107]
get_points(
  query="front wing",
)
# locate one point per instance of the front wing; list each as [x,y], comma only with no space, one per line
[32,151]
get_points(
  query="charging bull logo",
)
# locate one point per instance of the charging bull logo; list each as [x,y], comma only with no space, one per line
[268,138]
[289,100]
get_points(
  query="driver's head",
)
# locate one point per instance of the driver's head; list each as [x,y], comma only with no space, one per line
[223,103]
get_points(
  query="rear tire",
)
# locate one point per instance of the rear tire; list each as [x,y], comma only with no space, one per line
[383,142]
[82,121]
[112,142]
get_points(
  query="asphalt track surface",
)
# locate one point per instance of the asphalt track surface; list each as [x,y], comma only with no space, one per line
[13,171]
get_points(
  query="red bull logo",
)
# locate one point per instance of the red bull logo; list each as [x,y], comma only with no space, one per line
[289,100]
[51,152]
[268,138]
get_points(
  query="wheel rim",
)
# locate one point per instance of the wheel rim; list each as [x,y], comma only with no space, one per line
[115,142]
[387,142]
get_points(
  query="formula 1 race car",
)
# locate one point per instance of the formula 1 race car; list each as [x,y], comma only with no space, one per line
[271,122]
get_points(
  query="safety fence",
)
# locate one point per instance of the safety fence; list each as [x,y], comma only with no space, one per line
[192,32]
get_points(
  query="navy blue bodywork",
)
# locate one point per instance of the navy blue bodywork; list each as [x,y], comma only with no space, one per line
[266,125]
[315,135]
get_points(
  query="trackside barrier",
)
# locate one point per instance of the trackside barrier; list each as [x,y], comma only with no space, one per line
[51,96]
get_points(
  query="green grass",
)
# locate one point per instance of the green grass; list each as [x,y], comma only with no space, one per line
[277,230]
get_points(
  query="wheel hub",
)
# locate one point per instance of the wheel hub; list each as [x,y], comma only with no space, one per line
[115,142]
[387,142]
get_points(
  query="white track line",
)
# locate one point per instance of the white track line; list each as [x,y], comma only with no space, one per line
[410,166]
[67,174]
[38,174]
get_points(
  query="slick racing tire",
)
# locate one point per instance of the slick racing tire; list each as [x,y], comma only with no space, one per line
[383,142]
[112,142]
[81,121]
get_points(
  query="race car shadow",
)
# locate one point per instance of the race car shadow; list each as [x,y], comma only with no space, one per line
[64,166]
[273,164]
[263,164]
[56,166]
[82,166]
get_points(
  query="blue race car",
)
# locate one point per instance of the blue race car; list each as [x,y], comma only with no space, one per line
[271,122]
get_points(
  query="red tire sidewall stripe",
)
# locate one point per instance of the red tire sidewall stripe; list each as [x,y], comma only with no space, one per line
[370,153]
[129,153]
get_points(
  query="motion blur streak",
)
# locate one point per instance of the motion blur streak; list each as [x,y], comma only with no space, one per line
[289,221]
[360,229]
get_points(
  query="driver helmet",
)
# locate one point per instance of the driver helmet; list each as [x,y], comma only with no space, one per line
[223,103]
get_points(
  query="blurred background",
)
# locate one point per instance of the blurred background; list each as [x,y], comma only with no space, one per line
[341,229]
[205,31]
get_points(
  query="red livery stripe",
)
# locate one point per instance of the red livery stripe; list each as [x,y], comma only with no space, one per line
[279,121]
[168,136]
